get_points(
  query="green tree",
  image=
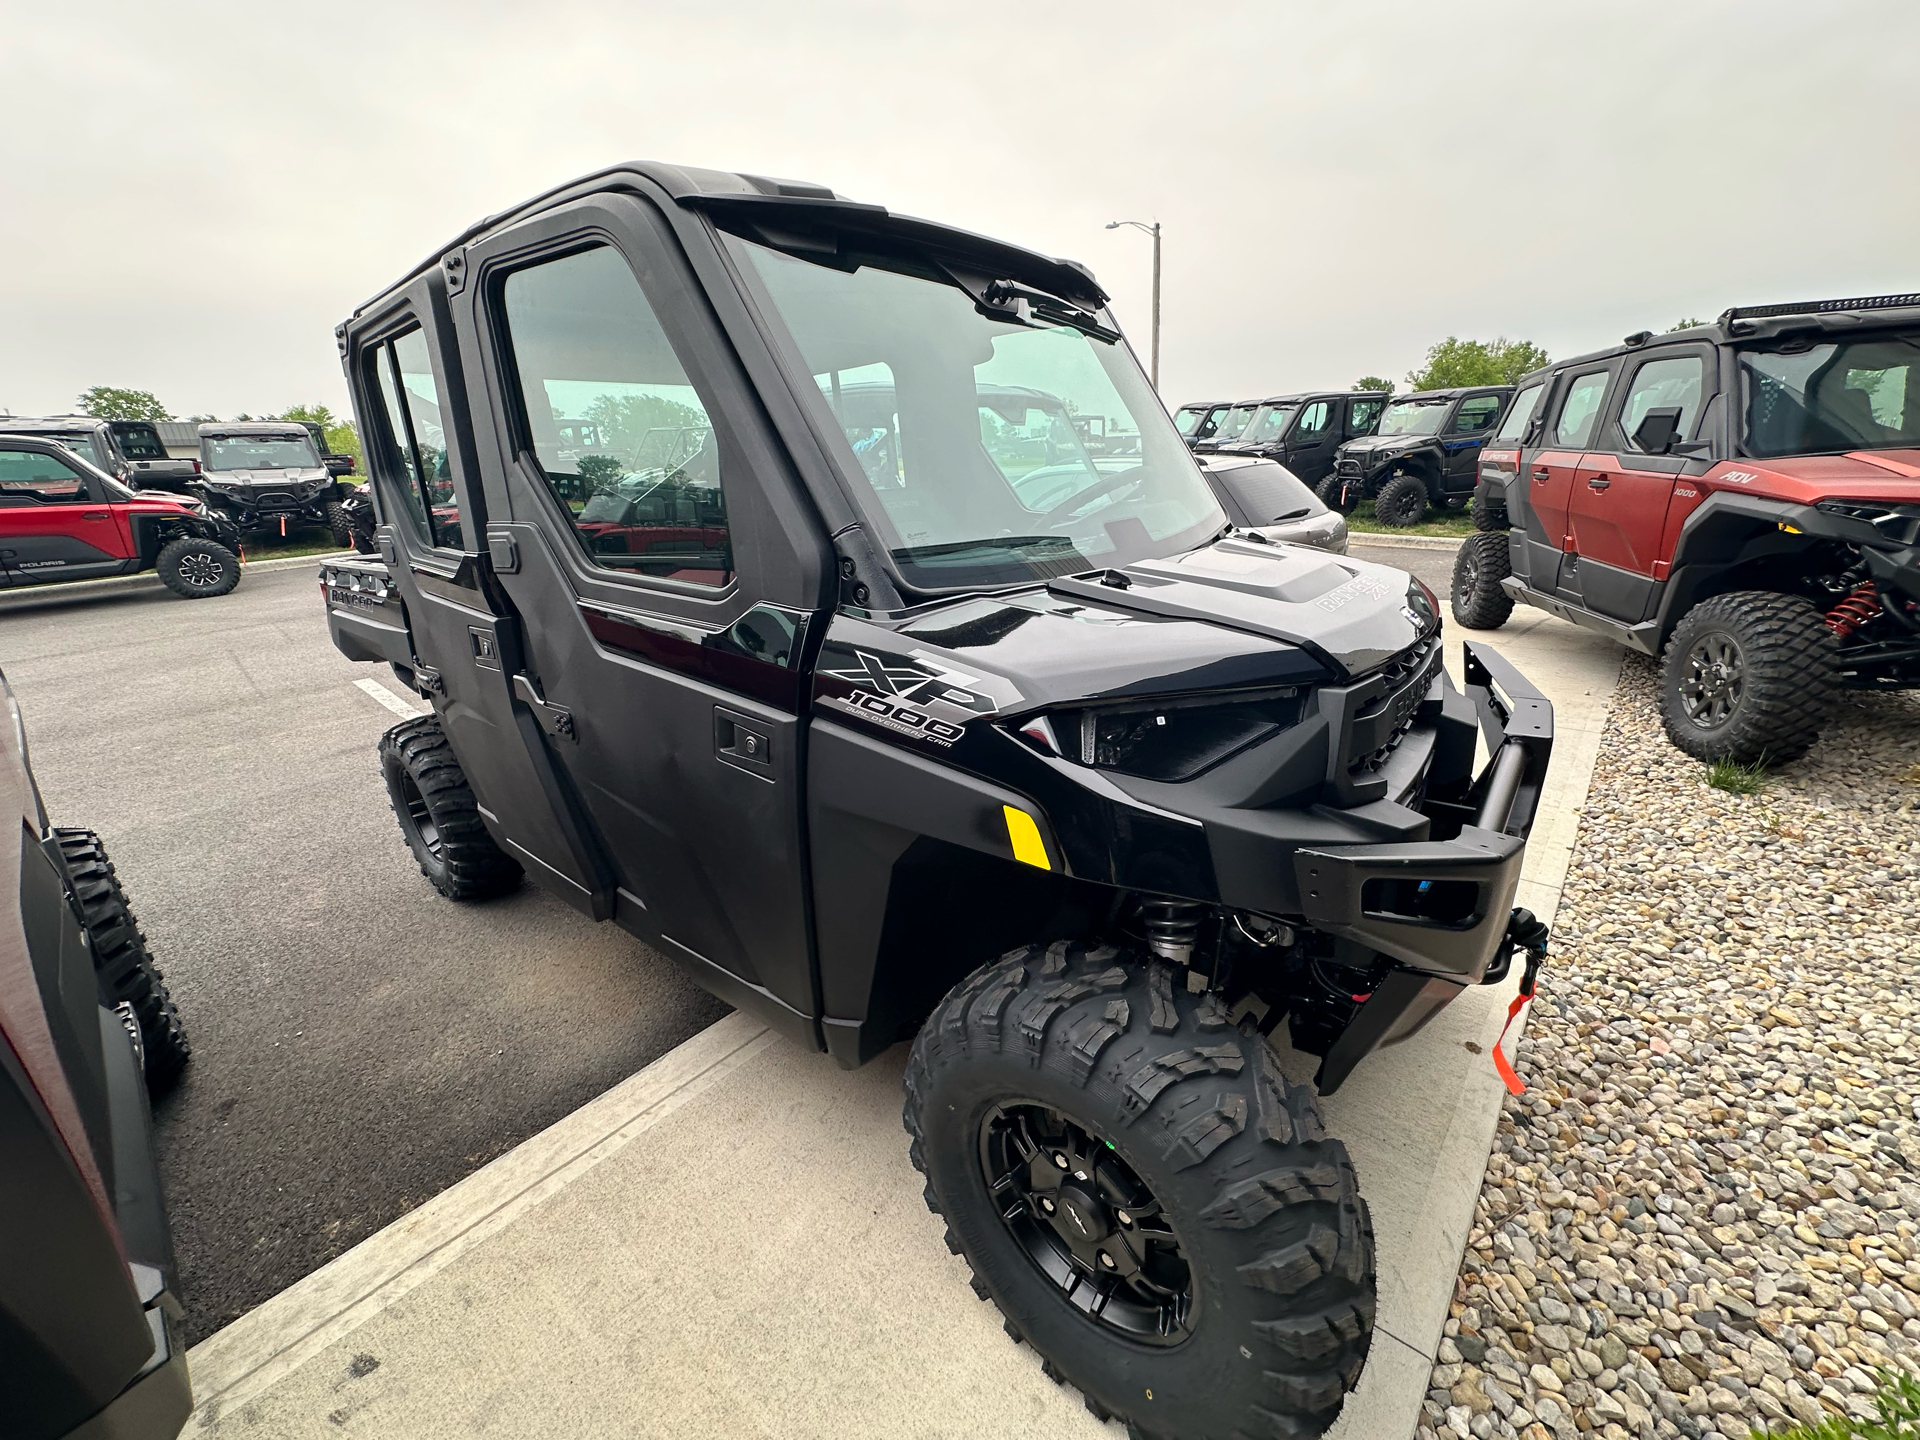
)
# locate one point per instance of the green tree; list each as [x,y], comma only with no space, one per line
[651,429]
[1476,362]
[1373,382]
[111,402]
[1684,325]
[600,472]
[342,438]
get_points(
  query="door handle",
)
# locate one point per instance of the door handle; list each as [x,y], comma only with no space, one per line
[556,720]
[94,515]
[1541,474]
[1598,482]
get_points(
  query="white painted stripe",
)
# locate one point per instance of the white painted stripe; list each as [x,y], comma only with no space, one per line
[404,709]
[268,1343]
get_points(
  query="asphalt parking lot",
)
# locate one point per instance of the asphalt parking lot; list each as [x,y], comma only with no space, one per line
[359,1043]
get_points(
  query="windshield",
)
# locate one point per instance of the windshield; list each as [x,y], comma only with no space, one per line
[1805,399]
[985,451]
[1413,417]
[259,452]
[1269,425]
[80,442]
[139,441]
[1188,417]
[1234,423]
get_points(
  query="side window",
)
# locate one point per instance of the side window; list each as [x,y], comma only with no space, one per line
[1363,415]
[1314,421]
[619,434]
[1513,429]
[28,477]
[1677,381]
[417,467]
[1574,429]
[1476,414]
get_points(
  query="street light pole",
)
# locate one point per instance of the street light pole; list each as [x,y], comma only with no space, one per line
[1153,230]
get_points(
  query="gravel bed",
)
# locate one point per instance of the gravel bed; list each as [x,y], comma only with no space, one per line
[1701,1218]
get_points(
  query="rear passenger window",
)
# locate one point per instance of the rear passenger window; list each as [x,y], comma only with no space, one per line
[415,466]
[1477,413]
[618,432]
[1574,428]
[1664,383]
[1520,414]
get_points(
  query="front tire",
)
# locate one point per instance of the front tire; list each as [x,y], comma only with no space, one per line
[1479,602]
[1201,1265]
[340,523]
[1749,676]
[122,964]
[195,568]
[1402,501]
[1331,489]
[439,816]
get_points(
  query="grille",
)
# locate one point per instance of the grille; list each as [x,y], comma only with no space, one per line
[1407,675]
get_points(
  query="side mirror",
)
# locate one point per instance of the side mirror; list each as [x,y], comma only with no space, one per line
[1658,429]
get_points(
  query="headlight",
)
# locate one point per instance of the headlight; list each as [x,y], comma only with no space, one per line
[1173,739]
[1422,607]
[1899,523]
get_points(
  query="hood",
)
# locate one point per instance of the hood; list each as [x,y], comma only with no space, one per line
[1805,479]
[303,475]
[1373,444]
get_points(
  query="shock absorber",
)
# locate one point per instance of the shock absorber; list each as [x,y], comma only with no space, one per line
[1862,606]
[1172,926]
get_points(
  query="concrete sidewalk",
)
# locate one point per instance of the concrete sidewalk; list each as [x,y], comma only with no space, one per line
[732,1242]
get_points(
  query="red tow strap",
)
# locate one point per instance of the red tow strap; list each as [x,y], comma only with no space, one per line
[1514,1086]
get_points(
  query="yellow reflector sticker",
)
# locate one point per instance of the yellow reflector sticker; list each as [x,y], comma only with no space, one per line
[1790,529]
[1028,847]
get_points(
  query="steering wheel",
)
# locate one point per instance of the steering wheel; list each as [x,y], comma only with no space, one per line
[1102,486]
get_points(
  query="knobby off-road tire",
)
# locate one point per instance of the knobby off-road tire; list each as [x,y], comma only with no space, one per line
[1169,1101]
[439,816]
[122,963]
[1489,514]
[1749,676]
[340,523]
[1482,563]
[197,569]
[1329,492]
[1402,501]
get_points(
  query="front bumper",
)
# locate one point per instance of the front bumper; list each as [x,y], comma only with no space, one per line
[1439,908]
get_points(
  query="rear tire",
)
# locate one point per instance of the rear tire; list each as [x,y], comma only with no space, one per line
[1246,1233]
[1329,492]
[1481,564]
[1402,501]
[439,816]
[195,568]
[1750,676]
[1489,514]
[122,963]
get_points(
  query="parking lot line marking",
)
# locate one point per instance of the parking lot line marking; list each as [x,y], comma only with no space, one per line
[269,1342]
[392,701]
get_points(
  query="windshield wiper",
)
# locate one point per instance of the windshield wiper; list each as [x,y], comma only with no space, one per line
[1003,542]
[1001,300]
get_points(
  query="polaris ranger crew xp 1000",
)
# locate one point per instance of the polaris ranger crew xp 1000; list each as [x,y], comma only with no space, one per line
[891,713]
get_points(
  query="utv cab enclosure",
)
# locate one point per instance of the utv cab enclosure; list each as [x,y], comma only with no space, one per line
[869,670]
[1741,499]
[1198,421]
[129,450]
[1302,432]
[1424,452]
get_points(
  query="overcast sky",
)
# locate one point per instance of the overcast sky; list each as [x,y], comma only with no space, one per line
[192,194]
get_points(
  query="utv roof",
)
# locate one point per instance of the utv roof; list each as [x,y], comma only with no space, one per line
[49,422]
[757,204]
[218,428]
[1451,393]
[1763,322]
[1304,396]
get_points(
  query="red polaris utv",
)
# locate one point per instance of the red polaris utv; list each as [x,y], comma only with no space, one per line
[1741,499]
[63,518]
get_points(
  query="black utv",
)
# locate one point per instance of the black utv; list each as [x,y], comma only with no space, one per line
[90,1335]
[1424,452]
[1304,432]
[893,714]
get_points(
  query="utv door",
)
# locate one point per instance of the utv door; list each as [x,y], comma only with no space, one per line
[51,528]
[409,393]
[1618,505]
[650,542]
[1310,445]
[1576,403]
[1473,421]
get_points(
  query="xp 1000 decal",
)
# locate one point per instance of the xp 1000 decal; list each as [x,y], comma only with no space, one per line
[916,695]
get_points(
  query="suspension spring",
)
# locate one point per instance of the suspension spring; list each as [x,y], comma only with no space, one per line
[1862,606]
[1172,926]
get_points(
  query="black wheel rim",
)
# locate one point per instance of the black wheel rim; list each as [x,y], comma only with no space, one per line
[1468,581]
[419,817]
[1088,1223]
[201,569]
[1713,680]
